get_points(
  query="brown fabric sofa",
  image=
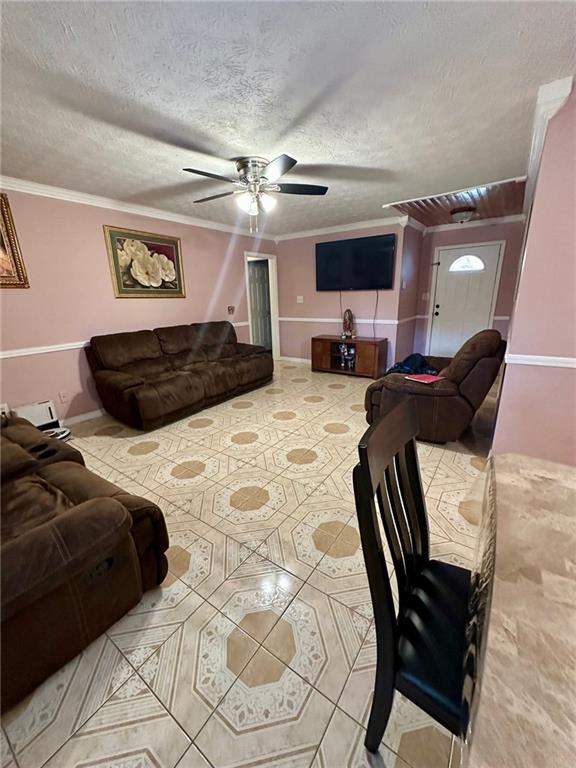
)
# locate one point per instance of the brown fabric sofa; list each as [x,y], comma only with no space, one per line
[446,407]
[76,554]
[148,378]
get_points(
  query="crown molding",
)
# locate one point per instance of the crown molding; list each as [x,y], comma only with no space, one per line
[551,98]
[371,224]
[477,223]
[416,225]
[9,183]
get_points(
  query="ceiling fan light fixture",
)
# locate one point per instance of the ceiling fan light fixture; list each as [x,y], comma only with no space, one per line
[463,214]
[248,203]
[267,201]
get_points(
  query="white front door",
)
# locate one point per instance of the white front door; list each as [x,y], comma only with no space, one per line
[466,285]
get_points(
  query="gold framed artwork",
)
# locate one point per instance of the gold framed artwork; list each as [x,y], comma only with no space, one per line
[12,269]
[144,265]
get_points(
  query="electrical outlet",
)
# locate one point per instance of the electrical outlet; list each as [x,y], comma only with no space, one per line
[299,299]
[4,409]
[64,397]
[231,309]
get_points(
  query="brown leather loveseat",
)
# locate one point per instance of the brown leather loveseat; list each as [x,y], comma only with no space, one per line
[77,554]
[446,407]
[148,378]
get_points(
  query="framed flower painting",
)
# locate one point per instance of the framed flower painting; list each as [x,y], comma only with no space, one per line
[12,269]
[144,265]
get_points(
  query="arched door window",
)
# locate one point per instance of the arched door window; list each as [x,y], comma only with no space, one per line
[468,263]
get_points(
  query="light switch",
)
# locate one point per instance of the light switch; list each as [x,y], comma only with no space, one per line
[403,285]
[425,296]
[299,299]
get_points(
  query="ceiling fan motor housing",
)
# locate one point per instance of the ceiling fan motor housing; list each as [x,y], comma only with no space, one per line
[250,168]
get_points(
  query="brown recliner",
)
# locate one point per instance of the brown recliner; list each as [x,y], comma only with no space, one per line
[149,378]
[77,554]
[446,407]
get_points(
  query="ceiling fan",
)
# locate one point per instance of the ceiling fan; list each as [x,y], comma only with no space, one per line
[257,179]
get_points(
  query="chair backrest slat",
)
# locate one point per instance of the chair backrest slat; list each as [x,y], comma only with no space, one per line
[411,488]
[389,459]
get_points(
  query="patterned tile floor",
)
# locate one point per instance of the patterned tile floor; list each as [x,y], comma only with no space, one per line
[258,649]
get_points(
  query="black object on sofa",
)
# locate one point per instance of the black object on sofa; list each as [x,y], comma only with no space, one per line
[149,378]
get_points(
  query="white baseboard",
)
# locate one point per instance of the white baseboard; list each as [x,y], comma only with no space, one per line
[293,359]
[83,417]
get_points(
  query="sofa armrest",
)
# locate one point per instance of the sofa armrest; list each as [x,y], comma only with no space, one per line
[53,553]
[397,382]
[117,380]
[250,349]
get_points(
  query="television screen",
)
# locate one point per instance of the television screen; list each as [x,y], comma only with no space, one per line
[359,264]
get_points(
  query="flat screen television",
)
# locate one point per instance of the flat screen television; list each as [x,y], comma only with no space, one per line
[358,264]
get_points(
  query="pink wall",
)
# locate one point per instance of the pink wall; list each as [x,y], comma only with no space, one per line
[537,414]
[408,300]
[71,297]
[297,277]
[512,232]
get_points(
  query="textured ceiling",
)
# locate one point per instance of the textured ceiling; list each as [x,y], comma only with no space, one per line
[490,201]
[381,101]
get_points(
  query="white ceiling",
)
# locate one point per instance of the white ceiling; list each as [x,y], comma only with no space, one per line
[382,101]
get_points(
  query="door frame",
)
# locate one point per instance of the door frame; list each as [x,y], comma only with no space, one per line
[273,288]
[434,280]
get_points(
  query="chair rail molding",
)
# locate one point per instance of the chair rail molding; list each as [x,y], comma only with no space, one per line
[541,360]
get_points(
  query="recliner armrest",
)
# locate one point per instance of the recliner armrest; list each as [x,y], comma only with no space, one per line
[117,379]
[250,349]
[376,386]
[397,382]
[47,556]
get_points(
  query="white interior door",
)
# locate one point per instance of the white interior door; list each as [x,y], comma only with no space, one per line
[466,284]
[260,314]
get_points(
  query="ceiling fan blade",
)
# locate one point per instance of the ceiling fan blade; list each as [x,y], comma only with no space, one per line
[210,175]
[213,197]
[278,167]
[302,189]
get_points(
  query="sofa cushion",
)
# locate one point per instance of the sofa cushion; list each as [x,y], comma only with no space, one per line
[176,338]
[220,351]
[168,393]
[189,357]
[118,349]
[218,379]
[482,344]
[213,334]
[147,369]
[15,460]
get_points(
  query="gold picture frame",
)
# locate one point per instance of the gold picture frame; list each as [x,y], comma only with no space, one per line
[144,265]
[12,269]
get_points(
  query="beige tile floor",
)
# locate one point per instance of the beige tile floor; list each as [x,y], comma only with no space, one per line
[258,648]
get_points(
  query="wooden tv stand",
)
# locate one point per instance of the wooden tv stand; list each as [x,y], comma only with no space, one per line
[370,355]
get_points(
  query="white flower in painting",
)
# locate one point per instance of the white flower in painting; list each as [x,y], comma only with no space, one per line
[146,270]
[167,269]
[130,250]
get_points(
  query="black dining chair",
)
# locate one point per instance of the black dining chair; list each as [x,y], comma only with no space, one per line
[427,648]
